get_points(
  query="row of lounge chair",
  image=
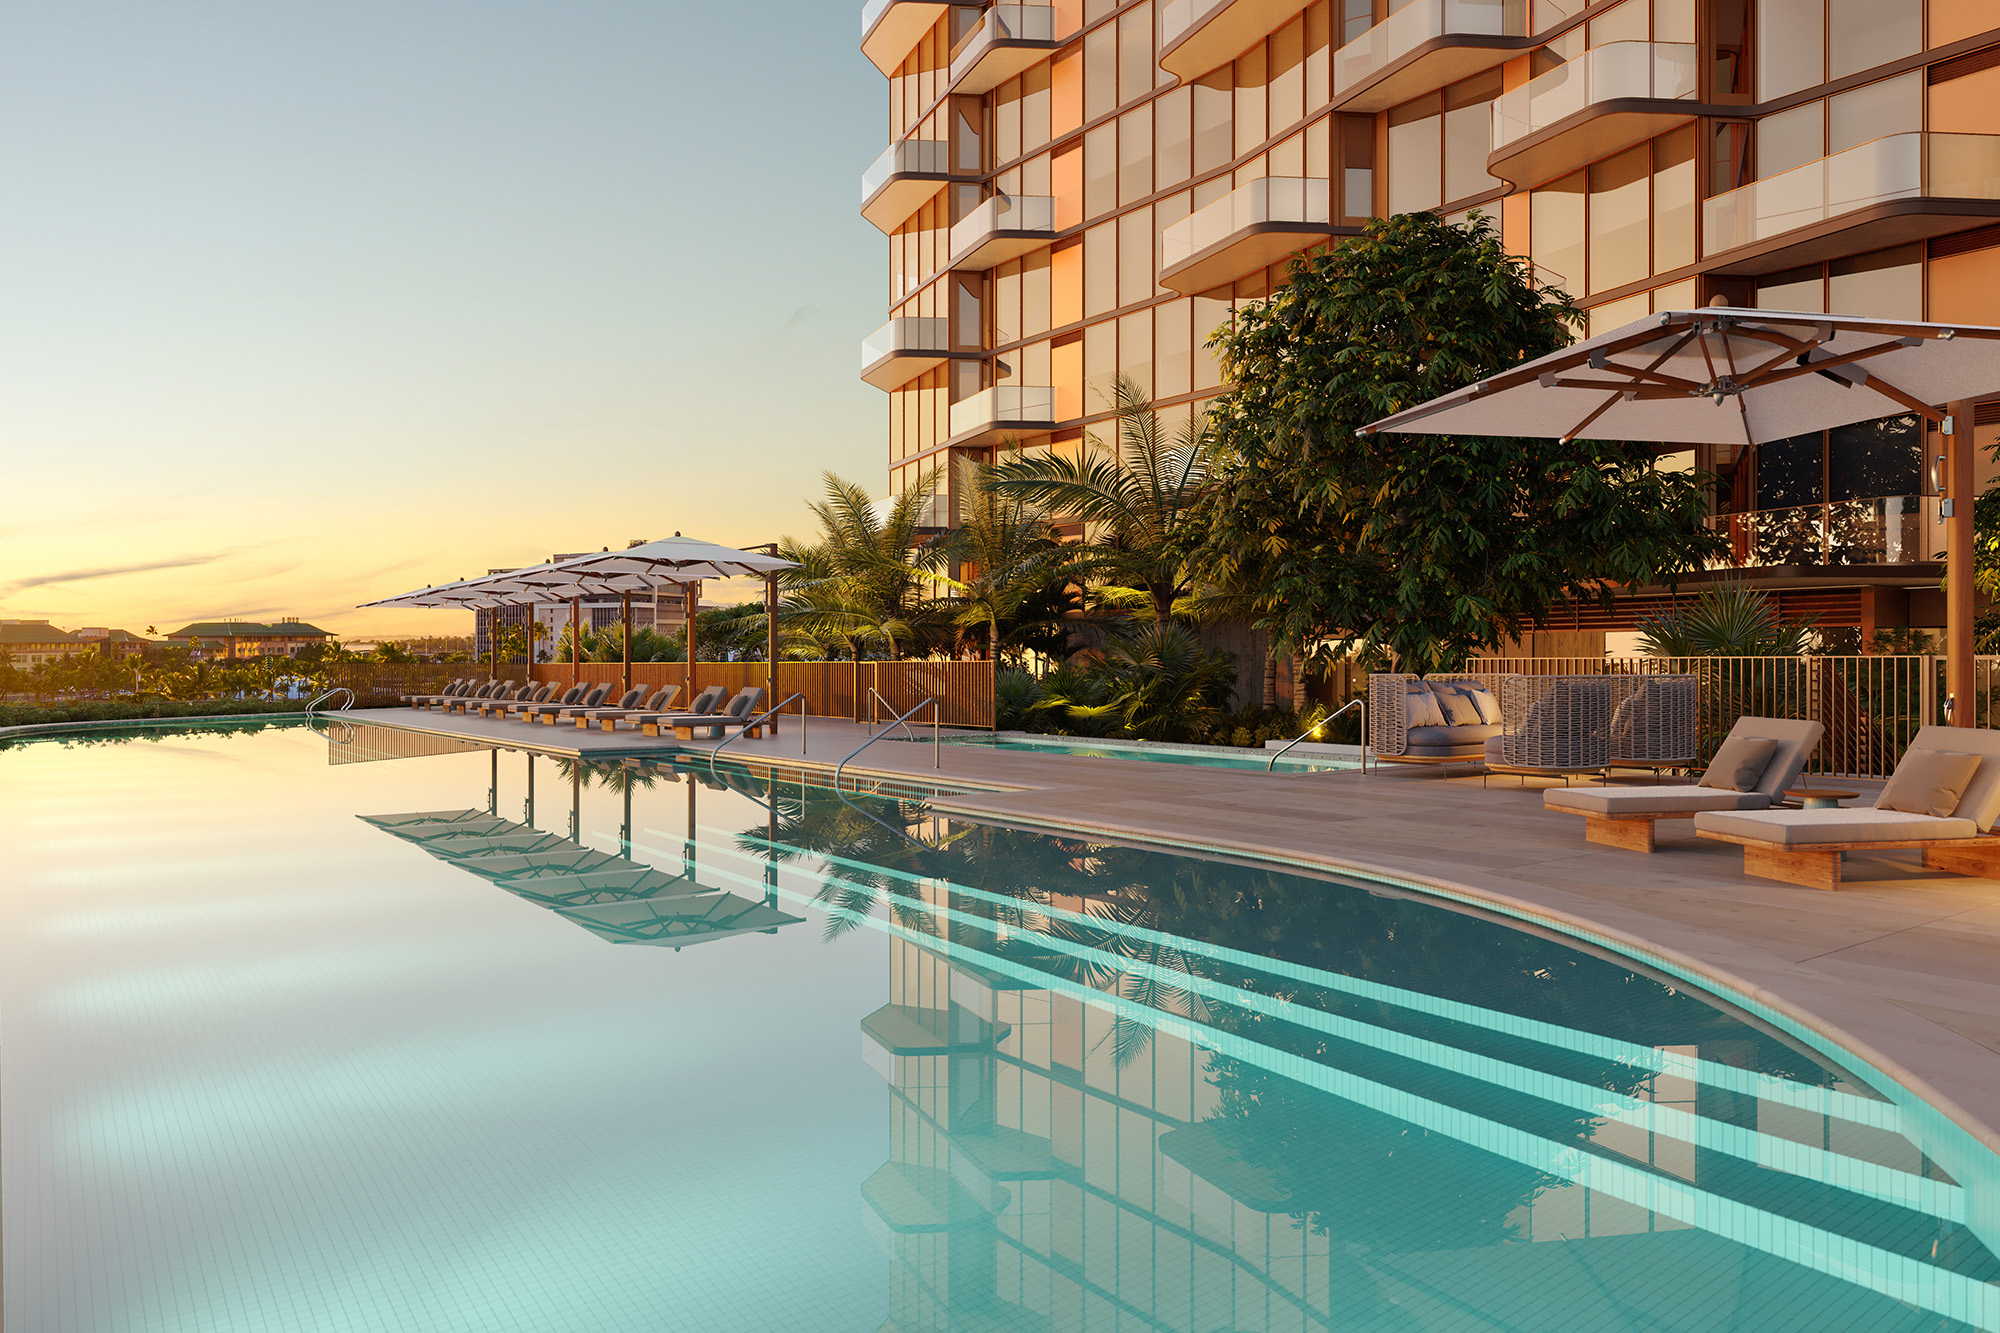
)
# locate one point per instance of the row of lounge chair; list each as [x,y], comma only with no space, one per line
[1942,800]
[584,705]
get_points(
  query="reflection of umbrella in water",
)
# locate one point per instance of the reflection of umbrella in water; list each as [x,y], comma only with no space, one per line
[680,921]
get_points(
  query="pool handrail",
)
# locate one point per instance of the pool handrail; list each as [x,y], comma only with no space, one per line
[875,714]
[1361,703]
[346,704]
[745,727]
[936,759]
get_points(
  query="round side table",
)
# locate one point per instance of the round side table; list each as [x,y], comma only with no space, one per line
[1820,798]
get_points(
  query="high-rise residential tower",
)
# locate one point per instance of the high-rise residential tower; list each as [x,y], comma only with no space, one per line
[1081,189]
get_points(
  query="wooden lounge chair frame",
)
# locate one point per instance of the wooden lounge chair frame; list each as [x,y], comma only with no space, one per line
[1817,865]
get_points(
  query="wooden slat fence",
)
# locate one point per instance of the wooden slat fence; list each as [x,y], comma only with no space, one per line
[964,690]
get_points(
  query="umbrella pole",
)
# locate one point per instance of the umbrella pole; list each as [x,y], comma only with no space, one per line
[1961,706]
[575,640]
[691,605]
[625,614]
[771,644]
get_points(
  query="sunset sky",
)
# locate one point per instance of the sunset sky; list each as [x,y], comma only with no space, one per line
[305,305]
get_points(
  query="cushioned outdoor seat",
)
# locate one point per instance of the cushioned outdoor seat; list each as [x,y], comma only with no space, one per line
[1623,817]
[1457,738]
[1943,798]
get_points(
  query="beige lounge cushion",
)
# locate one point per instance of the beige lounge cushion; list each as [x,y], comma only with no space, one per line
[1484,700]
[1928,782]
[1460,708]
[1681,800]
[1803,828]
[1739,763]
[1423,707]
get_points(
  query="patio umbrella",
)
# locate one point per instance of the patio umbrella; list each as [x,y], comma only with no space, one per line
[681,560]
[1732,376]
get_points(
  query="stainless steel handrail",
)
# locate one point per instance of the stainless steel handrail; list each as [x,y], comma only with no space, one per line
[1361,703]
[313,705]
[877,717]
[801,694]
[936,761]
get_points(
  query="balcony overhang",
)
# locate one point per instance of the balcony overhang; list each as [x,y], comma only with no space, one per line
[998,61]
[997,247]
[1244,252]
[1597,131]
[1427,68]
[888,41]
[895,369]
[1876,227]
[1221,31]
[900,197]
[993,432]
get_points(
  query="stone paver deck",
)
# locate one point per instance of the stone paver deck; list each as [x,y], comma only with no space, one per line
[1902,966]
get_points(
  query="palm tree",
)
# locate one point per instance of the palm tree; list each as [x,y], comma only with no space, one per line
[882,565]
[1142,500]
[1008,553]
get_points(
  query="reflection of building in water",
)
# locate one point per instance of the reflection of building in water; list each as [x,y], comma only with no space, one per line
[1055,1165]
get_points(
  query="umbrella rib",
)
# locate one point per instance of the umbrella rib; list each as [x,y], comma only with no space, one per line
[1775,376]
[1602,408]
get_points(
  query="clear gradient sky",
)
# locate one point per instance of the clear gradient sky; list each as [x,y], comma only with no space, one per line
[307,304]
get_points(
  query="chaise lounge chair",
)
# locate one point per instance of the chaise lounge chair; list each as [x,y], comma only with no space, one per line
[591,697]
[529,693]
[608,718]
[629,699]
[506,692]
[452,687]
[703,704]
[524,712]
[456,690]
[736,715]
[1942,799]
[1759,759]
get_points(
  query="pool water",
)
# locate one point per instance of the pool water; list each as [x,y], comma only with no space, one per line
[402,1033]
[1203,756]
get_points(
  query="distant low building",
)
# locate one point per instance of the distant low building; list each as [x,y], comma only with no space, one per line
[226,639]
[112,642]
[32,642]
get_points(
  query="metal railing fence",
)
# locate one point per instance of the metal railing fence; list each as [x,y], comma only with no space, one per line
[1871,705]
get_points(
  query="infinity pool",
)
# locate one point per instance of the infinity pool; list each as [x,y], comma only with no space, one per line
[402,1033]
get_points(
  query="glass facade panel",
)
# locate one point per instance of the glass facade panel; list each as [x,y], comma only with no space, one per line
[1673,21]
[1137,238]
[1673,200]
[1875,458]
[1619,222]
[1791,472]
[1136,70]
[1100,170]
[1173,342]
[1791,139]
[1135,155]
[1100,269]
[1790,52]
[1416,156]
[1468,135]
[1889,106]
[1888,284]
[1800,289]
[1100,72]
[1864,33]
[1214,135]
[1556,233]
[1288,75]
[1173,137]
[1629,22]
[1252,100]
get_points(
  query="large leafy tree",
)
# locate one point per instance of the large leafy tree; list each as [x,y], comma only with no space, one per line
[1138,502]
[1008,557]
[1427,546]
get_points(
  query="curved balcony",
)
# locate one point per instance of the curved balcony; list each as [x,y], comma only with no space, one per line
[1004,227]
[1198,35]
[1003,410]
[1247,229]
[1885,530]
[1889,191]
[1424,46]
[903,349]
[903,180]
[891,29]
[1008,40]
[1607,99]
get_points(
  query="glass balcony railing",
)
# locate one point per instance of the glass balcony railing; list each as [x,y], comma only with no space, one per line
[1003,405]
[1423,21]
[1656,71]
[1273,199]
[1886,530]
[1003,212]
[927,157]
[1179,16]
[905,335]
[1003,23]
[1899,166]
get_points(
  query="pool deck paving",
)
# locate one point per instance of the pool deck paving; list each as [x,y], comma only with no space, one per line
[1902,965]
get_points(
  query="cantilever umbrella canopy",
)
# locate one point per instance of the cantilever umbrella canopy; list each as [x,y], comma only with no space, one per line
[1730,376]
